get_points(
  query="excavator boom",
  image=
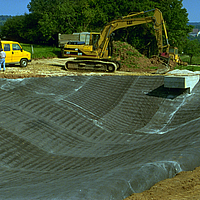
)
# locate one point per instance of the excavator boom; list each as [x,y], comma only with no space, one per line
[130,20]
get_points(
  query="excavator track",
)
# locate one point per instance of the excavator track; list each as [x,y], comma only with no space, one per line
[91,64]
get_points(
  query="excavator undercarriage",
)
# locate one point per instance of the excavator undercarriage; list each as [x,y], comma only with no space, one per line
[92,64]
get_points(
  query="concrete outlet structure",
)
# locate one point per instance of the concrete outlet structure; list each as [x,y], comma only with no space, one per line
[182,82]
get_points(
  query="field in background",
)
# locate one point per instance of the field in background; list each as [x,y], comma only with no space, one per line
[194,65]
[195,59]
[41,51]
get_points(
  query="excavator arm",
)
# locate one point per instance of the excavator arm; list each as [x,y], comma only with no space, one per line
[132,20]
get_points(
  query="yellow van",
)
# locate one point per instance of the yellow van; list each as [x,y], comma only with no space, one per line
[15,54]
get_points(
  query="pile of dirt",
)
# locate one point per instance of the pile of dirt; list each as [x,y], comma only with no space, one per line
[185,185]
[133,61]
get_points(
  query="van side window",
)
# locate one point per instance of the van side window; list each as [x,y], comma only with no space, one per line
[16,47]
[6,47]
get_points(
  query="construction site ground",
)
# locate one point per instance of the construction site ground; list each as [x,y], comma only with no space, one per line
[186,185]
[132,63]
[55,67]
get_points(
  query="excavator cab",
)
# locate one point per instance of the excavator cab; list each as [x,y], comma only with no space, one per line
[94,38]
[88,42]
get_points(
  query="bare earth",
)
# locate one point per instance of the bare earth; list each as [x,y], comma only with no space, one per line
[185,185]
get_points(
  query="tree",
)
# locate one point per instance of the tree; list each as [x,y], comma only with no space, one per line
[192,48]
[12,28]
[50,17]
[24,28]
[56,16]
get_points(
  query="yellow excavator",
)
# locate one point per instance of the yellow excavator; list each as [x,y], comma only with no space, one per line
[94,51]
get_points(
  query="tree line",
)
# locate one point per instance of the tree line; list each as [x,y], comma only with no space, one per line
[47,18]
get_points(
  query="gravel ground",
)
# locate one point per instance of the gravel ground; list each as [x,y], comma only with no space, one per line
[55,67]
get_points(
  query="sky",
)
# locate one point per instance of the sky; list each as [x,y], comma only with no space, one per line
[14,7]
[193,8]
[19,7]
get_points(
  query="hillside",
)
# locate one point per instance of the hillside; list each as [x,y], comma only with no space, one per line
[195,24]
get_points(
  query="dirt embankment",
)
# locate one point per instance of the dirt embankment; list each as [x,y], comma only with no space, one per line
[185,185]
[55,67]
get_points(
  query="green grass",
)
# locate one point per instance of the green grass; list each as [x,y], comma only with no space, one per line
[153,67]
[130,53]
[195,59]
[125,46]
[189,67]
[41,51]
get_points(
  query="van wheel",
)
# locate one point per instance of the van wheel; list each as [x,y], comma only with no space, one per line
[23,62]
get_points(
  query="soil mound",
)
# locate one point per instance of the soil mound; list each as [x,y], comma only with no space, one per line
[131,59]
